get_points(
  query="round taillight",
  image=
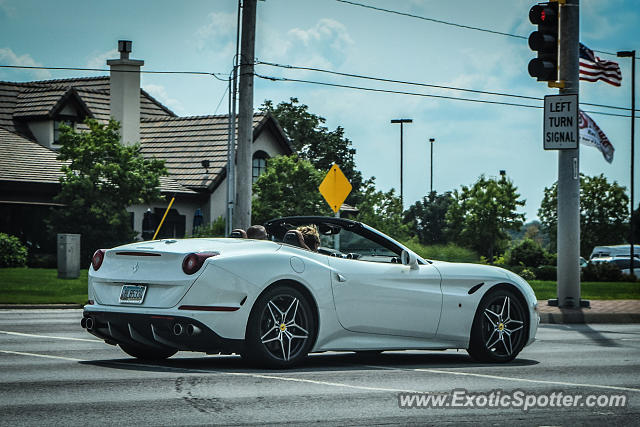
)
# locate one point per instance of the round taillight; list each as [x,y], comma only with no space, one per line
[192,262]
[98,257]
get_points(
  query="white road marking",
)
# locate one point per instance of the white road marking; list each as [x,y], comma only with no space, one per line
[46,356]
[21,334]
[500,377]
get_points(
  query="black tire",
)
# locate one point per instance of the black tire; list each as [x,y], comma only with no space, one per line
[147,353]
[500,326]
[281,328]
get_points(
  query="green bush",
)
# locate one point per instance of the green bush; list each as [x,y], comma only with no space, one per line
[42,261]
[601,272]
[547,272]
[215,229]
[450,252]
[12,252]
[527,274]
[527,253]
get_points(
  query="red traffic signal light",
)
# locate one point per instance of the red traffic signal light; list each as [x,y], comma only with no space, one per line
[544,41]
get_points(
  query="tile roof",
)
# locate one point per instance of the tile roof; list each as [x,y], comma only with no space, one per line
[27,161]
[183,142]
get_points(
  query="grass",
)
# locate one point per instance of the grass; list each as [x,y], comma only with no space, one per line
[546,289]
[450,252]
[41,286]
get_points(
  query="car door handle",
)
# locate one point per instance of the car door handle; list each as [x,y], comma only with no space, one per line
[341,278]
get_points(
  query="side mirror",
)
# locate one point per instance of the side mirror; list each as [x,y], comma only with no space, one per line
[410,259]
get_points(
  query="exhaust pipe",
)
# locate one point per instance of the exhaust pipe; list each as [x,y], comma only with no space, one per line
[192,330]
[178,329]
[83,323]
[89,323]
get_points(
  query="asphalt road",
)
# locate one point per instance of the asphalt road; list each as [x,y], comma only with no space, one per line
[52,372]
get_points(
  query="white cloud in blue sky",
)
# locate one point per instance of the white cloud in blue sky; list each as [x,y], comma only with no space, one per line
[471,139]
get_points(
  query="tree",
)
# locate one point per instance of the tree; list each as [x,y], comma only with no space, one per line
[382,211]
[603,213]
[289,186]
[479,216]
[426,218]
[315,142]
[101,178]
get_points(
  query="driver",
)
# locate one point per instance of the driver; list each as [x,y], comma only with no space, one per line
[311,236]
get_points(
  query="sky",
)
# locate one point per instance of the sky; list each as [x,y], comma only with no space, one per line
[471,139]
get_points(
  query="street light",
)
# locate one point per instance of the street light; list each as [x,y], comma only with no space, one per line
[631,54]
[402,122]
[431,140]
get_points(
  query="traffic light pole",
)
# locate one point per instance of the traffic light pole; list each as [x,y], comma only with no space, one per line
[569,167]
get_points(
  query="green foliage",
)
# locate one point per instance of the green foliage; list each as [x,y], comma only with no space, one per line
[215,229]
[449,252]
[547,272]
[589,290]
[101,178]
[12,252]
[527,274]
[479,216]
[289,186]
[382,211]
[603,213]
[601,272]
[426,218]
[315,142]
[527,253]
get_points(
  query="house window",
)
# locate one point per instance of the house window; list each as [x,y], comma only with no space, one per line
[259,164]
[56,128]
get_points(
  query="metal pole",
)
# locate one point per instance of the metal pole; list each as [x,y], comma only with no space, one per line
[632,55]
[569,168]
[431,140]
[402,122]
[242,215]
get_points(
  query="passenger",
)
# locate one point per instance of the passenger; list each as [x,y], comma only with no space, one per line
[257,232]
[311,236]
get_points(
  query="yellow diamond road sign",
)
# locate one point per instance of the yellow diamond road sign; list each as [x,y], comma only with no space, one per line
[335,188]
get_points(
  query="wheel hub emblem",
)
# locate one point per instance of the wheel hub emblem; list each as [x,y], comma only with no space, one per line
[500,326]
[283,327]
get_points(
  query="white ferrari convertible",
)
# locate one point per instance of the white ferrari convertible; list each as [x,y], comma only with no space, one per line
[274,301]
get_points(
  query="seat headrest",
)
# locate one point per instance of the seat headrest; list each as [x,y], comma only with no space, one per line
[295,238]
[238,233]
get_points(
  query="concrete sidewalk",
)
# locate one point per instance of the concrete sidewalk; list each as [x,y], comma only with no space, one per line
[601,311]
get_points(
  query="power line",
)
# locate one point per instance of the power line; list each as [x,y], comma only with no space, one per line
[369,89]
[203,73]
[453,24]
[386,80]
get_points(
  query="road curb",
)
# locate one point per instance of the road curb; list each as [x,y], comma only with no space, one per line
[39,306]
[579,316]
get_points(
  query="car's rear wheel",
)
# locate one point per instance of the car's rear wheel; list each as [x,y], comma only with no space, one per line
[147,353]
[281,328]
[499,327]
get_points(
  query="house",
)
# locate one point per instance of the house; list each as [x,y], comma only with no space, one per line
[194,148]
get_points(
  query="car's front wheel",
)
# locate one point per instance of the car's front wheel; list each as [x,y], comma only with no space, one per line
[281,328]
[499,328]
[147,353]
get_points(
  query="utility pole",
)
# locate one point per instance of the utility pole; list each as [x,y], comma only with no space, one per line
[242,215]
[231,136]
[402,122]
[569,167]
[431,140]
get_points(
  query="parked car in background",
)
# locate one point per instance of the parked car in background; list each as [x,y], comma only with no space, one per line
[614,250]
[622,262]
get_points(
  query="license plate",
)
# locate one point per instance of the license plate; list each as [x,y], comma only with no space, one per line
[132,294]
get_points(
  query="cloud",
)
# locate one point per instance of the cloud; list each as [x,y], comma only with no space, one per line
[100,60]
[8,57]
[218,34]
[160,93]
[329,41]
[8,10]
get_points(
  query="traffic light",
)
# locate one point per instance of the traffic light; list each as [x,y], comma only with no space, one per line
[544,41]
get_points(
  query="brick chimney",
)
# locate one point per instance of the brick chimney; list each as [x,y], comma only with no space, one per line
[125,93]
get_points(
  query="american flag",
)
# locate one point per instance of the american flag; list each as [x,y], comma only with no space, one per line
[593,68]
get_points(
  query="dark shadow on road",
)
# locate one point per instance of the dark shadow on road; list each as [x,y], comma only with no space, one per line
[314,363]
[588,332]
